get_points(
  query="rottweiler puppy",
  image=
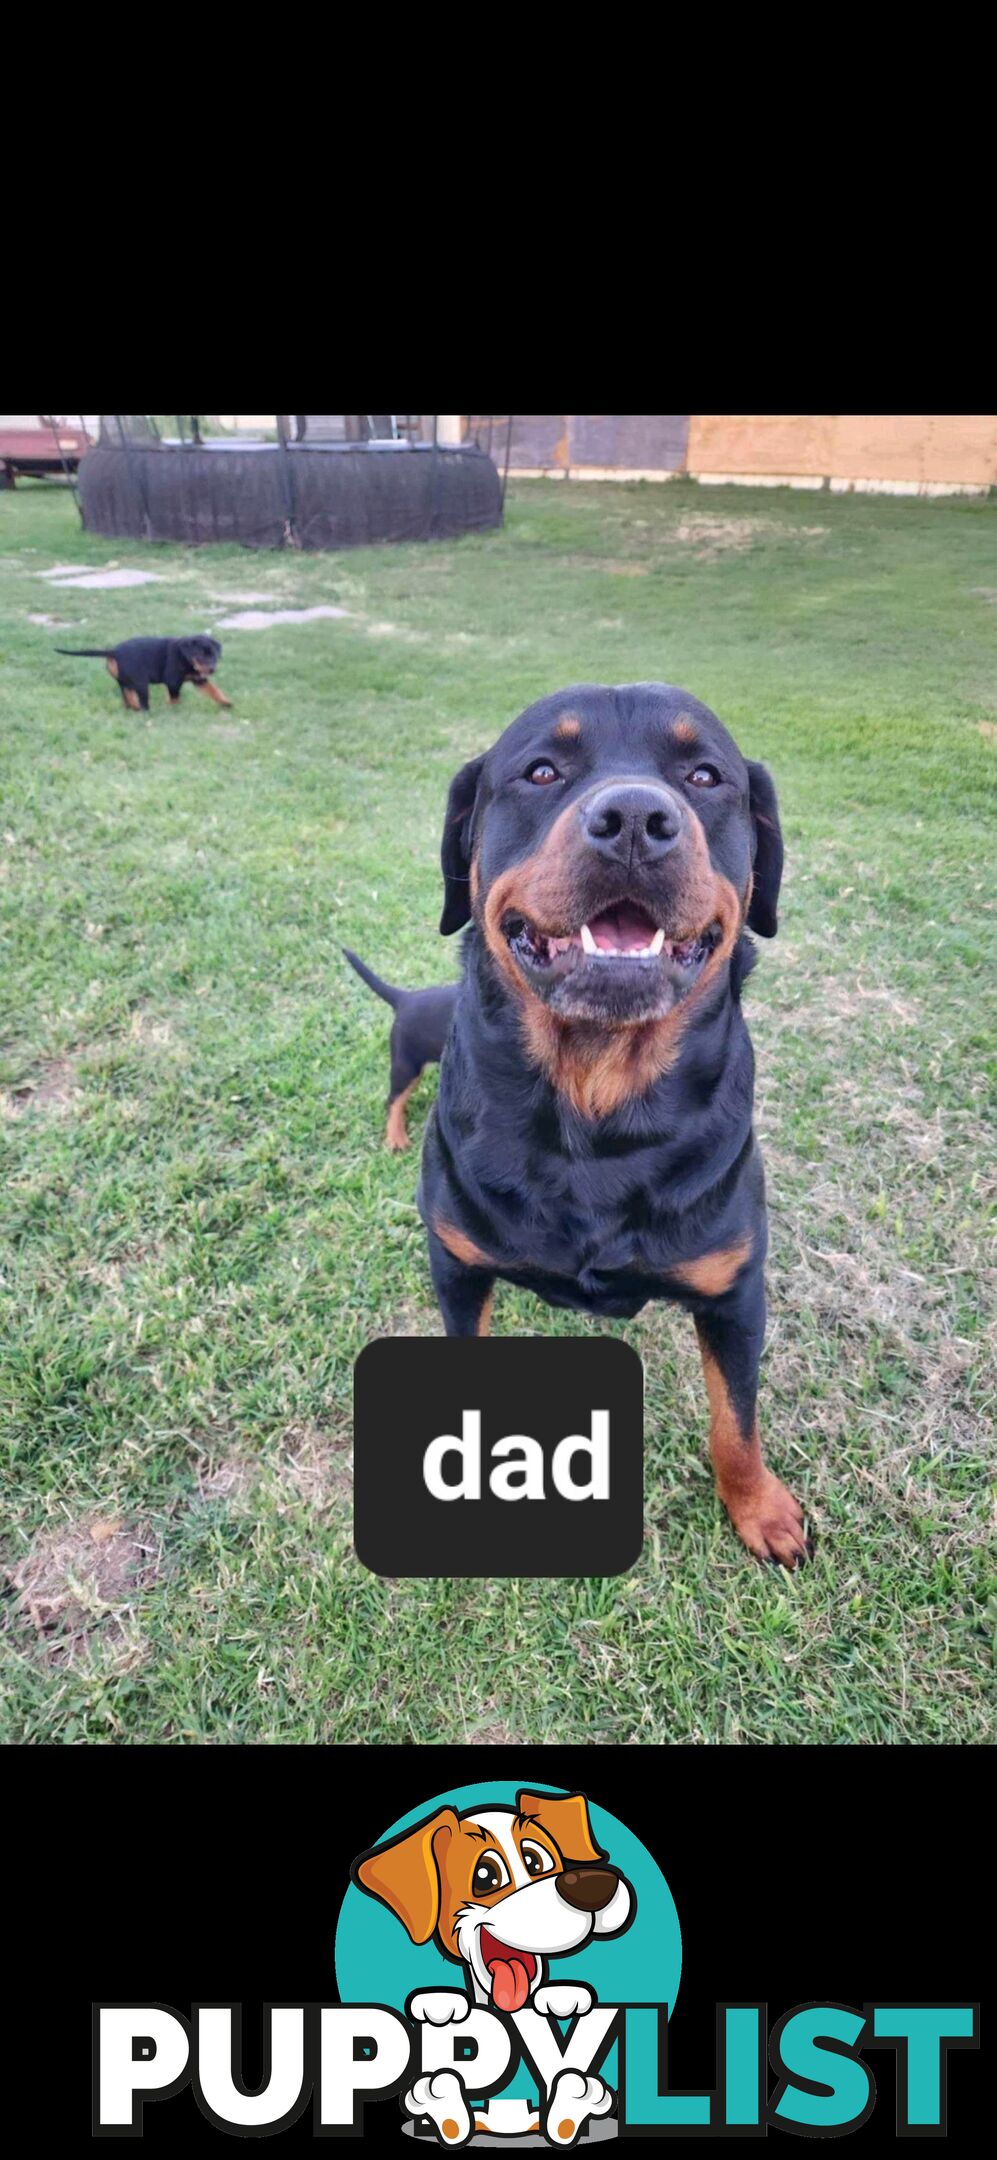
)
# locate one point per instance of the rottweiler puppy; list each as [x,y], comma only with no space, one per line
[418,1033]
[139,661]
[592,1136]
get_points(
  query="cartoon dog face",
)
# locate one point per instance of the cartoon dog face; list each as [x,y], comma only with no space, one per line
[501,1889]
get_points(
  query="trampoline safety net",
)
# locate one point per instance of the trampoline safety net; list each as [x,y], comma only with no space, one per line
[314,487]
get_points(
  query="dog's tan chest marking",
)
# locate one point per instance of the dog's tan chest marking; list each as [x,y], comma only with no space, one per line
[714,1272]
[461,1246]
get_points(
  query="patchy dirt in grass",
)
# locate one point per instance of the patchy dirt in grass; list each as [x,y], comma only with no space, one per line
[863,1001]
[81,1579]
[413,1318]
[155,1034]
[497,1735]
[706,537]
[231,1479]
[316,1466]
[712,536]
[397,630]
[239,599]
[55,1090]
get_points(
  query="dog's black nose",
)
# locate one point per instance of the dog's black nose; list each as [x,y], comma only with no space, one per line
[587,1889]
[633,822]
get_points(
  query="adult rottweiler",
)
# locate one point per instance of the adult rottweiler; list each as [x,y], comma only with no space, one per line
[139,661]
[592,1136]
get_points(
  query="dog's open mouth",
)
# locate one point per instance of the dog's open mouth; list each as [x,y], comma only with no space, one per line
[511,1972]
[623,934]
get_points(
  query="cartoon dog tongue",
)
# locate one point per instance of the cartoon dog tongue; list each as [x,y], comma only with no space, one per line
[510,1983]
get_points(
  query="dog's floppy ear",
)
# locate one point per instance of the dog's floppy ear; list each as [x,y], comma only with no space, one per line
[565,1817]
[405,1875]
[762,914]
[455,853]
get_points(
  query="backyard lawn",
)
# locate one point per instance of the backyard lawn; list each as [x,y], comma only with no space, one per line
[200,1227]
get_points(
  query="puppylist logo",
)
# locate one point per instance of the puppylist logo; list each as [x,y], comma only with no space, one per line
[507,1961]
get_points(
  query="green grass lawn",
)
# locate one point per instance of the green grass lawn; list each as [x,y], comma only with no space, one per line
[199,1227]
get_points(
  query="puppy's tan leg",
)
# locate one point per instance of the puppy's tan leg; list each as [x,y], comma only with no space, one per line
[396,1131]
[214,693]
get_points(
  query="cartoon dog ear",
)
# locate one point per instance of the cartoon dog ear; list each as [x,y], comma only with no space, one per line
[768,852]
[405,1875]
[455,853]
[565,1817]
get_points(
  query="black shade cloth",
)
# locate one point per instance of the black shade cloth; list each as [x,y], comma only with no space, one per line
[311,495]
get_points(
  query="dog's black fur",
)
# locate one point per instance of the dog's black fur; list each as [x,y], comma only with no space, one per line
[592,1136]
[139,661]
[418,1032]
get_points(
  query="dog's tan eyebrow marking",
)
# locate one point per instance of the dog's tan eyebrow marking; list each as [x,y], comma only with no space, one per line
[684,730]
[568,727]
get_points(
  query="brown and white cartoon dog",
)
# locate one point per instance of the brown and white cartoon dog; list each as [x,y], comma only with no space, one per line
[501,1891]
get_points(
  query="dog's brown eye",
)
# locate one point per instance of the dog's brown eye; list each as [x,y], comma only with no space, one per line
[704,776]
[536,1861]
[488,1875]
[542,772]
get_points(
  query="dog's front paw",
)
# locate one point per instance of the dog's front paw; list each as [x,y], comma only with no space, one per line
[441,2098]
[439,2006]
[573,2099]
[769,1521]
[569,1999]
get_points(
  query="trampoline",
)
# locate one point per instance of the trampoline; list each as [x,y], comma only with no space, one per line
[323,483]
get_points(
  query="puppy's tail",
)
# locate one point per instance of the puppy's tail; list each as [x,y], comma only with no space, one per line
[381,989]
[86,652]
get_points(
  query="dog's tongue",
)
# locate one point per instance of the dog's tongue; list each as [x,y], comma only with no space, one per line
[510,1985]
[622,929]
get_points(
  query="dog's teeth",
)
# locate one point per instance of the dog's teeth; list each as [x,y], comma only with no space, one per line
[657,942]
[588,942]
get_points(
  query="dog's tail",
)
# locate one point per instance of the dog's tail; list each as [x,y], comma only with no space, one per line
[381,989]
[86,652]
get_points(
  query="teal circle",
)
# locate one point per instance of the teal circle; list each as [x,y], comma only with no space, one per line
[377,1963]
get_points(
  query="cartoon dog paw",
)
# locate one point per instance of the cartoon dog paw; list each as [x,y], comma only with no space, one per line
[573,2099]
[441,2097]
[439,2006]
[569,1999]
